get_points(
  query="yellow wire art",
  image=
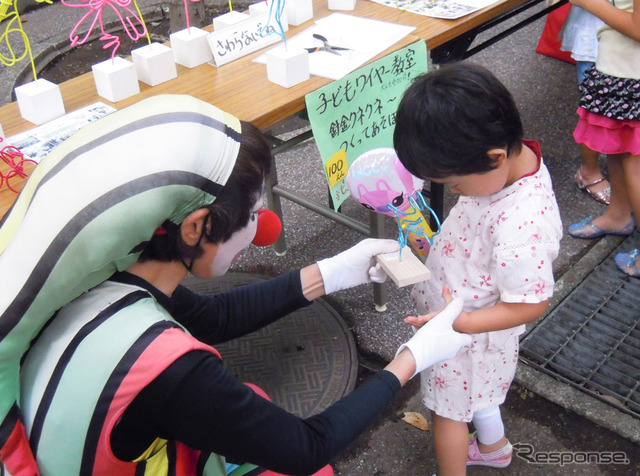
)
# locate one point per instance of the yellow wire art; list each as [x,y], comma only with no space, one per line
[10,20]
[146,30]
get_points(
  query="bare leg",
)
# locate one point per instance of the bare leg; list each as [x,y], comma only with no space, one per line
[451,441]
[619,211]
[631,166]
[590,169]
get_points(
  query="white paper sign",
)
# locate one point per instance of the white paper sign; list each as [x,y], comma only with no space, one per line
[242,38]
[364,38]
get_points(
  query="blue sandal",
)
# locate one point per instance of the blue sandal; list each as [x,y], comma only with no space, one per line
[626,262]
[585,229]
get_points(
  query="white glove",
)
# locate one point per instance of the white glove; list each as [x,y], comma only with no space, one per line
[356,265]
[436,340]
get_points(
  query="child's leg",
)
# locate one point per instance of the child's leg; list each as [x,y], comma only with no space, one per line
[619,210]
[490,429]
[631,168]
[631,175]
[589,176]
[451,442]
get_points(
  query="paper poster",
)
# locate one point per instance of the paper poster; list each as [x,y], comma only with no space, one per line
[363,38]
[447,9]
[357,113]
[37,142]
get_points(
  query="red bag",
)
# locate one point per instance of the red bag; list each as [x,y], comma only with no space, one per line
[549,44]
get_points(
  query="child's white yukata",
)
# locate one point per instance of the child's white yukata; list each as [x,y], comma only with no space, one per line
[499,247]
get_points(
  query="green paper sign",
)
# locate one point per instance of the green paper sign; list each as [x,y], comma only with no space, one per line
[357,113]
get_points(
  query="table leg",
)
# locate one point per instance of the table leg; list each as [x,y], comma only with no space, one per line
[280,246]
[380,290]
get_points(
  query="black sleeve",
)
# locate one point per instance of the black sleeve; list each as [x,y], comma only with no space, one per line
[198,402]
[225,316]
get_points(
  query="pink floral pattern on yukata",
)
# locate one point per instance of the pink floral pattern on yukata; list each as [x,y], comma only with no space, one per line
[452,392]
[492,248]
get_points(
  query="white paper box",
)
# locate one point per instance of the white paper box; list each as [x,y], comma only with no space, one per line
[287,67]
[1,132]
[115,79]
[261,8]
[190,47]
[40,101]
[342,4]
[231,18]
[299,11]
[154,63]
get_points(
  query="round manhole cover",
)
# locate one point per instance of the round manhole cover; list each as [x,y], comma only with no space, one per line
[305,361]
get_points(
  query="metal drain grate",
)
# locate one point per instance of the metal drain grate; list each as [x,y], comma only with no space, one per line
[591,340]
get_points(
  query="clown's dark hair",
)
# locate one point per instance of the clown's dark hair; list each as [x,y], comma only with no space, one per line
[232,208]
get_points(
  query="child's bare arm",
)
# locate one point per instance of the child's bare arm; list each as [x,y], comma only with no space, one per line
[627,23]
[504,315]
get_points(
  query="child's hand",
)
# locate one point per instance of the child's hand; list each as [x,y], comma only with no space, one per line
[419,321]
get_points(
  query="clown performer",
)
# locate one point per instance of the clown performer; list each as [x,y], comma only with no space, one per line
[106,364]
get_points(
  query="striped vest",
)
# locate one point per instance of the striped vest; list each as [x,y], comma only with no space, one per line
[83,371]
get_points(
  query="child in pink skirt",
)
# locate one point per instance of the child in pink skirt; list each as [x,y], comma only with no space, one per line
[610,121]
[459,126]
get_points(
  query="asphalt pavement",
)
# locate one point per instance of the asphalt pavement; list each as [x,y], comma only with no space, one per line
[560,430]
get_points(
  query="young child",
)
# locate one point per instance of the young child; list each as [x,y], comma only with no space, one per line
[459,126]
[579,35]
[610,121]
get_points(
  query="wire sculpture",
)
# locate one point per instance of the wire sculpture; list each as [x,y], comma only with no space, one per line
[132,22]
[18,166]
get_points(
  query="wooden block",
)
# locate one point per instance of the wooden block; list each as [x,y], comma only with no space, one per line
[287,66]
[40,101]
[299,11]
[408,271]
[228,19]
[116,79]
[190,47]
[154,64]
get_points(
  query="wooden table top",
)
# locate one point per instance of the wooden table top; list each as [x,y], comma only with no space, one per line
[242,88]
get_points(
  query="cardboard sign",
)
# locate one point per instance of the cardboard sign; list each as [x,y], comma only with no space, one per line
[242,38]
[357,113]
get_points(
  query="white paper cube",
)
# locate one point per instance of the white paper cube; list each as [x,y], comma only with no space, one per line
[1,132]
[40,101]
[287,67]
[342,4]
[261,8]
[190,47]
[154,63]
[299,11]
[224,21]
[115,79]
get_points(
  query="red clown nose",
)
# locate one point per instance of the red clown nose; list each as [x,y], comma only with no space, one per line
[269,228]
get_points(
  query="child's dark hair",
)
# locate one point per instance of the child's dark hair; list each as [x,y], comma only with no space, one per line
[232,208]
[448,120]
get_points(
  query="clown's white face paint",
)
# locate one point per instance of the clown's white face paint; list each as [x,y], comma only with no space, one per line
[229,251]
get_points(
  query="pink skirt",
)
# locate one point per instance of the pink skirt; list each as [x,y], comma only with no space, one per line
[606,135]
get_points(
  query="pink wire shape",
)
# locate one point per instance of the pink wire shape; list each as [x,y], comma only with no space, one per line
[9,154]
[186,12]
[135,32]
